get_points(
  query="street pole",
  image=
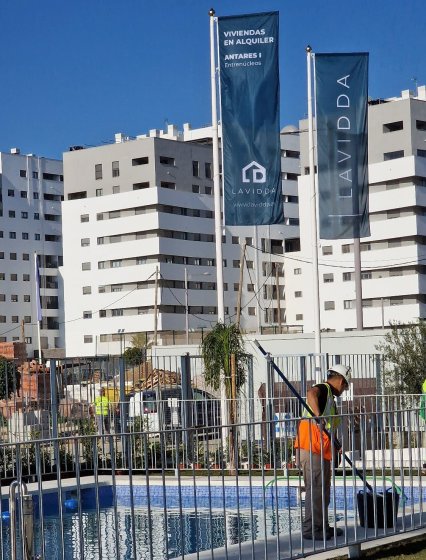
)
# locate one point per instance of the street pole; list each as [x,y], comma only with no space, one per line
[186,307]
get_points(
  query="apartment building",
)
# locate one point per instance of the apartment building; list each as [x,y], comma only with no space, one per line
[393,258]
[146,204]
[31,190]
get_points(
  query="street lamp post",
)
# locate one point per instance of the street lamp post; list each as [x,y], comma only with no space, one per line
[186,307]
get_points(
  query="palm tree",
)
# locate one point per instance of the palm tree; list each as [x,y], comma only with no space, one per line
[225,362]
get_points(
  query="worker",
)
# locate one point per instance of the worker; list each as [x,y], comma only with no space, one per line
[101,410]
[423,401]
[316,453]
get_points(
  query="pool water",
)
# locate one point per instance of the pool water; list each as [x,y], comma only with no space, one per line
[119,535]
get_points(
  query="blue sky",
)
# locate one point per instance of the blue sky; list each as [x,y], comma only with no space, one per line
[77,72]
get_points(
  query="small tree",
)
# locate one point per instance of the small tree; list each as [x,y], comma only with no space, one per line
[10,378]
[225,361]
[134,356]
[404,353]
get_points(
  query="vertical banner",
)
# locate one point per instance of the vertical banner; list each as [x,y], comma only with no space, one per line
[249,92]
[342,151]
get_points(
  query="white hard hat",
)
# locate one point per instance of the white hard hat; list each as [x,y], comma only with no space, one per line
[340,369]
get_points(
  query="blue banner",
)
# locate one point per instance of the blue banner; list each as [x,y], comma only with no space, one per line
[342,151]
[249,91]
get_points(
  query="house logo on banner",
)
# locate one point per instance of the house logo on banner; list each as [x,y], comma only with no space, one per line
[257,175]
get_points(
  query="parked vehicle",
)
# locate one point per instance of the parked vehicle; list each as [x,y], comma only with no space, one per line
[162,408]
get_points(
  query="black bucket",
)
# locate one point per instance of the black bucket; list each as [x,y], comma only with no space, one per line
[386,508]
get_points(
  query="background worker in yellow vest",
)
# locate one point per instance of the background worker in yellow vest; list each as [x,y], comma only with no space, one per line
[315,452]
[101,410]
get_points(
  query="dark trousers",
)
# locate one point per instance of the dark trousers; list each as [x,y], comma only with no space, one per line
[317,478]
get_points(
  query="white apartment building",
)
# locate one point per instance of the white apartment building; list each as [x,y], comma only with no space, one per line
[393,258]
[31,190]
[146,203]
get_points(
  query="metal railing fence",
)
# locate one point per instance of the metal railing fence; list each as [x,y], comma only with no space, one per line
[174,493]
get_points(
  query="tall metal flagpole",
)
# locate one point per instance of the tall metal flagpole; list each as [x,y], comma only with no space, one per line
[314,226]
[216,178]
[217,219]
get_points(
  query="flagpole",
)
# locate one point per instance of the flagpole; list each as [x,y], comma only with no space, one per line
[216,178]
[38,304]
[314,226]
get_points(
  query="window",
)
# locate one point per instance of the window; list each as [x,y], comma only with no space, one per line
[347,248]
[12,256]
[114,214]
[25,256]
[88,338]
[87,290]
[195,168]
[23,194]
[24,215]
[252,311]
[87,314]
[12,234]
[291,154]
[236,263]
[298,294]
[393,155]
[235,240]
[1,255]
[396,301]
[250,287]
[27,318]
[85,266]
[85,242]
[14,298]
[36,216]
[168,185]
[98,171]
[35,174]
[348,304]
[421,153]
[421,125]
[10,192]
[102,313]
[100,240]
[328,278]
[208,190]
[101,289]
[140,161]
[99,192]
[208,170]
[84,217]
[2,276]
[327,250]
[35,196]
[116,288]
[100,216]
[366,275]
[297,271]
[329,305]
[196,189]
[2,297]
[15,319]
[22,173]
[393,126]
[139,186]
[392,243]
[115,169]
[27,298]
[393,214]
[25,235]
[116,264]
[2,318]
[165,160]
[117,312]
[299,317]
[347,276]
[367,303]
[101,265]
[11,213]
[37,236]
[249,240]
[116,189]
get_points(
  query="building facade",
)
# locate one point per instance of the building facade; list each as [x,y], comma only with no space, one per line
[393,258]
[31,191]
[139,243]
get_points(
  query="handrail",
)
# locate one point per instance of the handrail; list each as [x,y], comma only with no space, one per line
[27,520]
